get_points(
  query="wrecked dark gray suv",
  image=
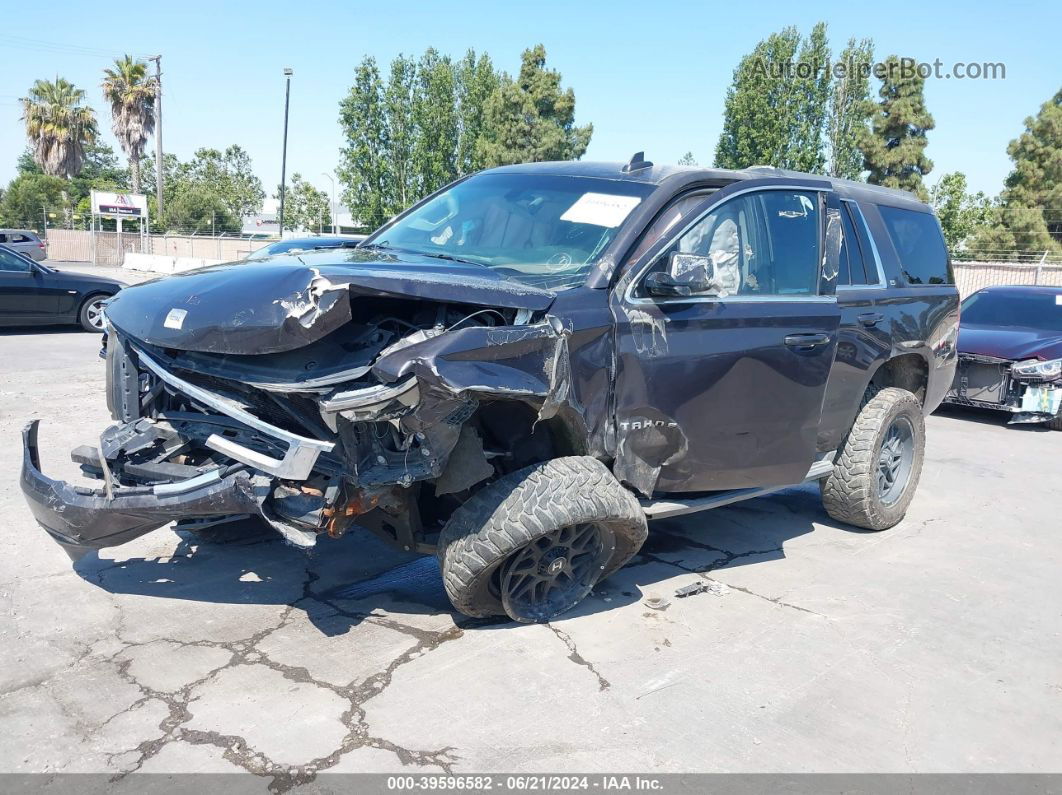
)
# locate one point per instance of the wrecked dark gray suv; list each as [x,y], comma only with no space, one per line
[522,369]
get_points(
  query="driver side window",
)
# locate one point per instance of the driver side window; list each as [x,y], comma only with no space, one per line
[758,244]
[13,263]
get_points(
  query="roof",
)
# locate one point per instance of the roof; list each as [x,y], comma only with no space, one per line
[661,174]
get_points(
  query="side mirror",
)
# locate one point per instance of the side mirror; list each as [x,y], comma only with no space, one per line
[663,283]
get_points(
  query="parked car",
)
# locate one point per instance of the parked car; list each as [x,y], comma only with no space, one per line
[298,245]
[24,242]
[32,294]
[520,371]
[1010,353]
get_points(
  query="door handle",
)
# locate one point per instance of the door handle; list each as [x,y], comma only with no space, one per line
[805,342]
[869,319]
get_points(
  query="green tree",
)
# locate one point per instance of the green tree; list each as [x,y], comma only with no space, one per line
[687,160]
[1029,217]
[894,148]
[775,109]
[58,127]
[850,109]
[100,170]
[436,124]
[198,209]
[531,119]
[401,137]
[810,99]
[959,211]
[477,80]
[132,96]
[305,207]
[229,174]
[364,169]
[28,197]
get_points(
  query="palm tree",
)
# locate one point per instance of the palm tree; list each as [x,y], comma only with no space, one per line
[132,96]
[58,126]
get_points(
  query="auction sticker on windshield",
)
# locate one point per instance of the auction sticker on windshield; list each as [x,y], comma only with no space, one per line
[600,209]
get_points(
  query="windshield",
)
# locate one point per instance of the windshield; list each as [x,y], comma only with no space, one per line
[544,231]
[1028,310]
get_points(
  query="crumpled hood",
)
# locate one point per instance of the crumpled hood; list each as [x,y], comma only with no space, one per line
[286,302]
[1010,342]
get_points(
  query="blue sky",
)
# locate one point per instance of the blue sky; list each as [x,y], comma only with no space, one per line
[649,76]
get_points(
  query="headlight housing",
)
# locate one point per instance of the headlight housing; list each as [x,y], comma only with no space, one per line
[1034,368]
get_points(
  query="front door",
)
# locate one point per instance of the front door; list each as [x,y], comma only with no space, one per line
[720,384]
[23,298]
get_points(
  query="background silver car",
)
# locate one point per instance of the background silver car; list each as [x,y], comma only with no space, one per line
[24,242]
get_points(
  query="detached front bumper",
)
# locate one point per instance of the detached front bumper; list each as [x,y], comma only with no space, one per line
[81,519]
[987,382]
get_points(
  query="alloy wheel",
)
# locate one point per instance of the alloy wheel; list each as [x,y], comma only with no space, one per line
[555,571]
[894,460]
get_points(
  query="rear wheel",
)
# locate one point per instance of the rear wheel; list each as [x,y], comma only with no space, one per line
[534,544]
[1056,423]
[877,469]
[91,314]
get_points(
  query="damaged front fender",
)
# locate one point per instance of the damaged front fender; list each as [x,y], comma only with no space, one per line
[522,362]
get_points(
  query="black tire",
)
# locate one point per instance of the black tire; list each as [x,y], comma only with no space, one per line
[1056,423]
[853,493]
[501,522]
[89,315]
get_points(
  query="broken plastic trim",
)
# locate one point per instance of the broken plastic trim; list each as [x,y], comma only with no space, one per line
[81,519]
[366,399]
[301,454]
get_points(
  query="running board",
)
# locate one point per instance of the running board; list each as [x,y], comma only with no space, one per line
[662,509]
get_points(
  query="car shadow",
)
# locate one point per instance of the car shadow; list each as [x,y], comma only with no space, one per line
[340,582]
[73,328]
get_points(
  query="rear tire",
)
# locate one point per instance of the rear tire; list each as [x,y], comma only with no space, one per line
[1056,423]
[90,316]
[533,544]
[878,467]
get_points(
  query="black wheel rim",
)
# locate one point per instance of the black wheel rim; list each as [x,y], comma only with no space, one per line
[555,571]
[94,313]
[895,458]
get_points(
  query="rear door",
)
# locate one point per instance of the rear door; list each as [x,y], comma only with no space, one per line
[723,388]
[863,339]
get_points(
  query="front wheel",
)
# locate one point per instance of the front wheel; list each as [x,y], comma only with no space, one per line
[877,469]
[533,544]
[91,315]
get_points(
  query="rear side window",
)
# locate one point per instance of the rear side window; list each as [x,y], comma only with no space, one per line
[21,239]
[919,244]
[852,268]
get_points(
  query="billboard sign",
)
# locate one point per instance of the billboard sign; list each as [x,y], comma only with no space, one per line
[126,205]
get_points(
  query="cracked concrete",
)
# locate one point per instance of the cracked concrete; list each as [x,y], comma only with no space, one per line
[931,647]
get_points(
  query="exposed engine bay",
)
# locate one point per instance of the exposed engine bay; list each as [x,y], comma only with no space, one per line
[388,418]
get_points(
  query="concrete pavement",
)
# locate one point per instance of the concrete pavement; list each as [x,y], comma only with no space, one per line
[933,646]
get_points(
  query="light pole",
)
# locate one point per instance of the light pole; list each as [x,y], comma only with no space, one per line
[333,181]
[284,156]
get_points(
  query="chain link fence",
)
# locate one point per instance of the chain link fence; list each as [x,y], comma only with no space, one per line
[984,268]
